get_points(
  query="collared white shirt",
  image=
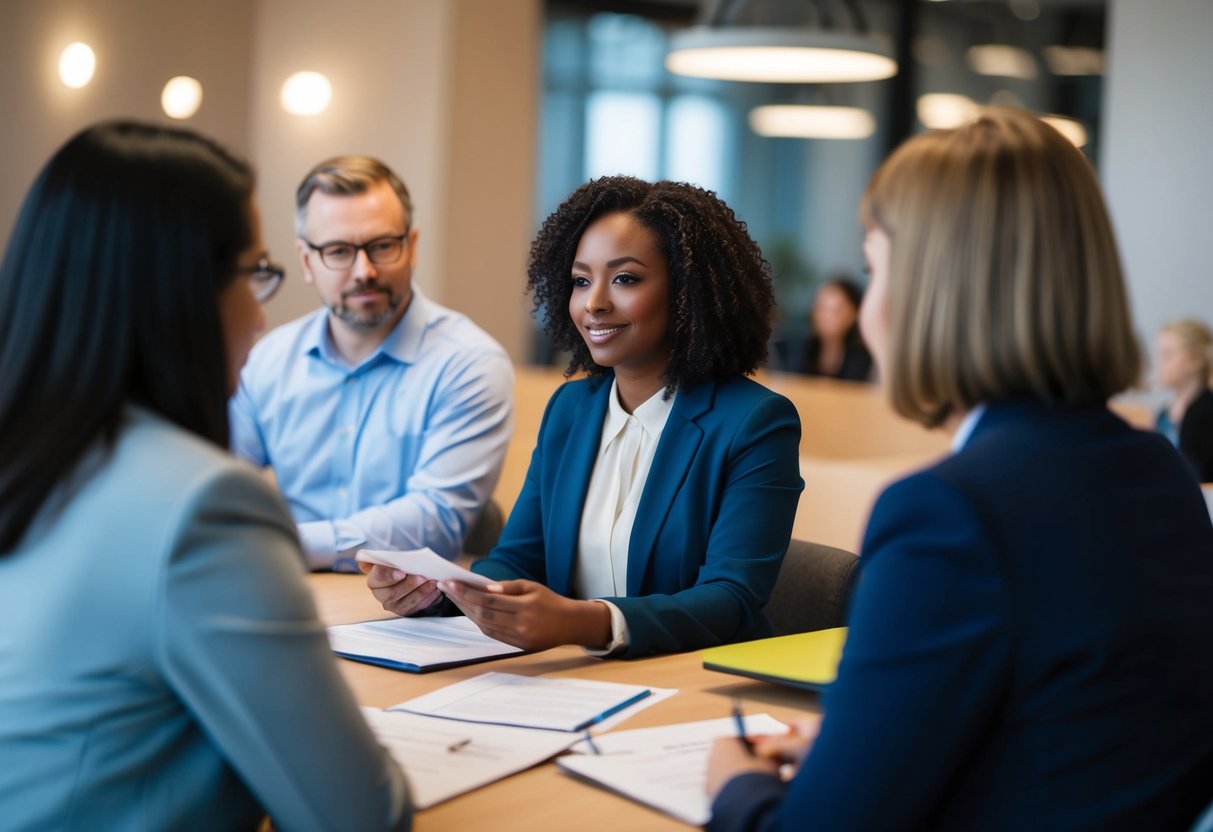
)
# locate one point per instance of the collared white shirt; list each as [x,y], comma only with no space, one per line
[967,425]
[625,455]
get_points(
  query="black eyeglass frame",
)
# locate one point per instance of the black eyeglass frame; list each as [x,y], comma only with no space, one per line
[402,239]
[264,278]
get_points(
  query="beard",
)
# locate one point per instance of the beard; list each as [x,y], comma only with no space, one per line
[367,320]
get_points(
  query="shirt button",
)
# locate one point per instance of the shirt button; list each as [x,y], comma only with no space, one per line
[341,492]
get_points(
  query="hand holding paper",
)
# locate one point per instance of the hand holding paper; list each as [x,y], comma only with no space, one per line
[406,583]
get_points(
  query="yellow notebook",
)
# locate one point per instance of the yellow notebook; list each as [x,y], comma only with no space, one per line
[803,660]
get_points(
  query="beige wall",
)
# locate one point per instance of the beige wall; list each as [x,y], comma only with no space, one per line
[442,90]
[140,44]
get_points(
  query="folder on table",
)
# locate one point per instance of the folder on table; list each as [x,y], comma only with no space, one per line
[803,660]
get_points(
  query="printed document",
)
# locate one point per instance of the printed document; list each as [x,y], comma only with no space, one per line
[664,767]
[442,759]
[554,704]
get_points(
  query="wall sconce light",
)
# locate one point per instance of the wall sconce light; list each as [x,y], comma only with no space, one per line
[76,65]
[810,121]
[306,94]
[181,98]
[780,55]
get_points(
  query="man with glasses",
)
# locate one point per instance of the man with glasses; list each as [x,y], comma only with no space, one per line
[384,416]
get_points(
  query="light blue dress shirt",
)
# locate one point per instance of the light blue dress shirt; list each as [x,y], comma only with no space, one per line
[399,452]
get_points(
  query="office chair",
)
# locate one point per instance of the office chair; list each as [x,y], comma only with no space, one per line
[813,588]
[484,532]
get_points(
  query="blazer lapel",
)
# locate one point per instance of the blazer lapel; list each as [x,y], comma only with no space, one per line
[680,440]
[573,482]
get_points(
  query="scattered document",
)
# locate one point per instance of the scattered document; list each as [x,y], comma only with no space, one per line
[425,562]
[665,767]
[442,759]
[417,644]
[555,704]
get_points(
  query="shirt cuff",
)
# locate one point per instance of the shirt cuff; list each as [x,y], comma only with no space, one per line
[620,638]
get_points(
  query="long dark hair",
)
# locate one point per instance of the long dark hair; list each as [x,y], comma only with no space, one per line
[109,295]
[721,294]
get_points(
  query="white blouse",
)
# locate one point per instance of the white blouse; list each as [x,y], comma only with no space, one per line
[624,457]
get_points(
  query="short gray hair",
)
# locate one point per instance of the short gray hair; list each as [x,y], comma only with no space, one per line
[345,176]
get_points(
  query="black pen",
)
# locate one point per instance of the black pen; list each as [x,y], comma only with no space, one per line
[458,744]
[745,741]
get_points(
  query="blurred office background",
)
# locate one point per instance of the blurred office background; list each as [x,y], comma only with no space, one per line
[492,110]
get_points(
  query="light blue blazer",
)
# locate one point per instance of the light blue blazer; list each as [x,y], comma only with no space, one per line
[712,526]
[161,664]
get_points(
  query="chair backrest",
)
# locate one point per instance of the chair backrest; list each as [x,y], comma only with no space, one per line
[484,532]
[813,588]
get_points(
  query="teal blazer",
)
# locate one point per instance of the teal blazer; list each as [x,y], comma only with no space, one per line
[161,663]
[713,523]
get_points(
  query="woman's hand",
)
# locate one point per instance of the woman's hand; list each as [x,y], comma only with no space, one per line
[527,614]
[397,592]
[771,754]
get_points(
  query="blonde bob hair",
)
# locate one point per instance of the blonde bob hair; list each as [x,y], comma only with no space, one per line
[1197,339]
[1004,281]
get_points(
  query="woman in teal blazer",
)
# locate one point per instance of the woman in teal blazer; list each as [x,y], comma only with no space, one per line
[664,301]
[161,663]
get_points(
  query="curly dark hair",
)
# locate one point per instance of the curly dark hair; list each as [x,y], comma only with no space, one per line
[721,295]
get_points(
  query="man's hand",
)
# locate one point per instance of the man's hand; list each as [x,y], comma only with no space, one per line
[527,614]
[397,592]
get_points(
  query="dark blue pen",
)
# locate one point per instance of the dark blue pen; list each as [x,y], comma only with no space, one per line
[745,741]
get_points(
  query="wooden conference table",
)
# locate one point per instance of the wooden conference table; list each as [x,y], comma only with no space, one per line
[543,797]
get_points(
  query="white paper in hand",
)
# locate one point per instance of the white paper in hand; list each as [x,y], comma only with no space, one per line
[425,562]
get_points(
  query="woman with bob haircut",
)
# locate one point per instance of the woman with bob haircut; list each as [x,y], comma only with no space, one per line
[163,665]
[1030,637]
[1185,367]
[659,500]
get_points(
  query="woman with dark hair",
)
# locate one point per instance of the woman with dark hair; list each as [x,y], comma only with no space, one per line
[835,348]
[163,665]
[1029,640]
[664,485]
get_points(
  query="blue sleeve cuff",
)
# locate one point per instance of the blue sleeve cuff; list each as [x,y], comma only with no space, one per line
[747,802]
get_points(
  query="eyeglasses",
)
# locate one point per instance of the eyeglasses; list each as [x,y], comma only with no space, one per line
[264,278]
[380,251]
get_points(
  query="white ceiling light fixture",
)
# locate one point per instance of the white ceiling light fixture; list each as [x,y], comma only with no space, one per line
[76,65]
[181,97]
[1003,61]
[945,110]
[789,55]
[1074,60]
[306,94]
[810,121]
[1071,128]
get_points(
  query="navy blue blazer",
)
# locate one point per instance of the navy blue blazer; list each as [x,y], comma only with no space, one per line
[713,523]
[1030,645]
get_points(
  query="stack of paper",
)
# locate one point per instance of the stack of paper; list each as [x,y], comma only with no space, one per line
[665,767]
[467,735]
[417,644]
